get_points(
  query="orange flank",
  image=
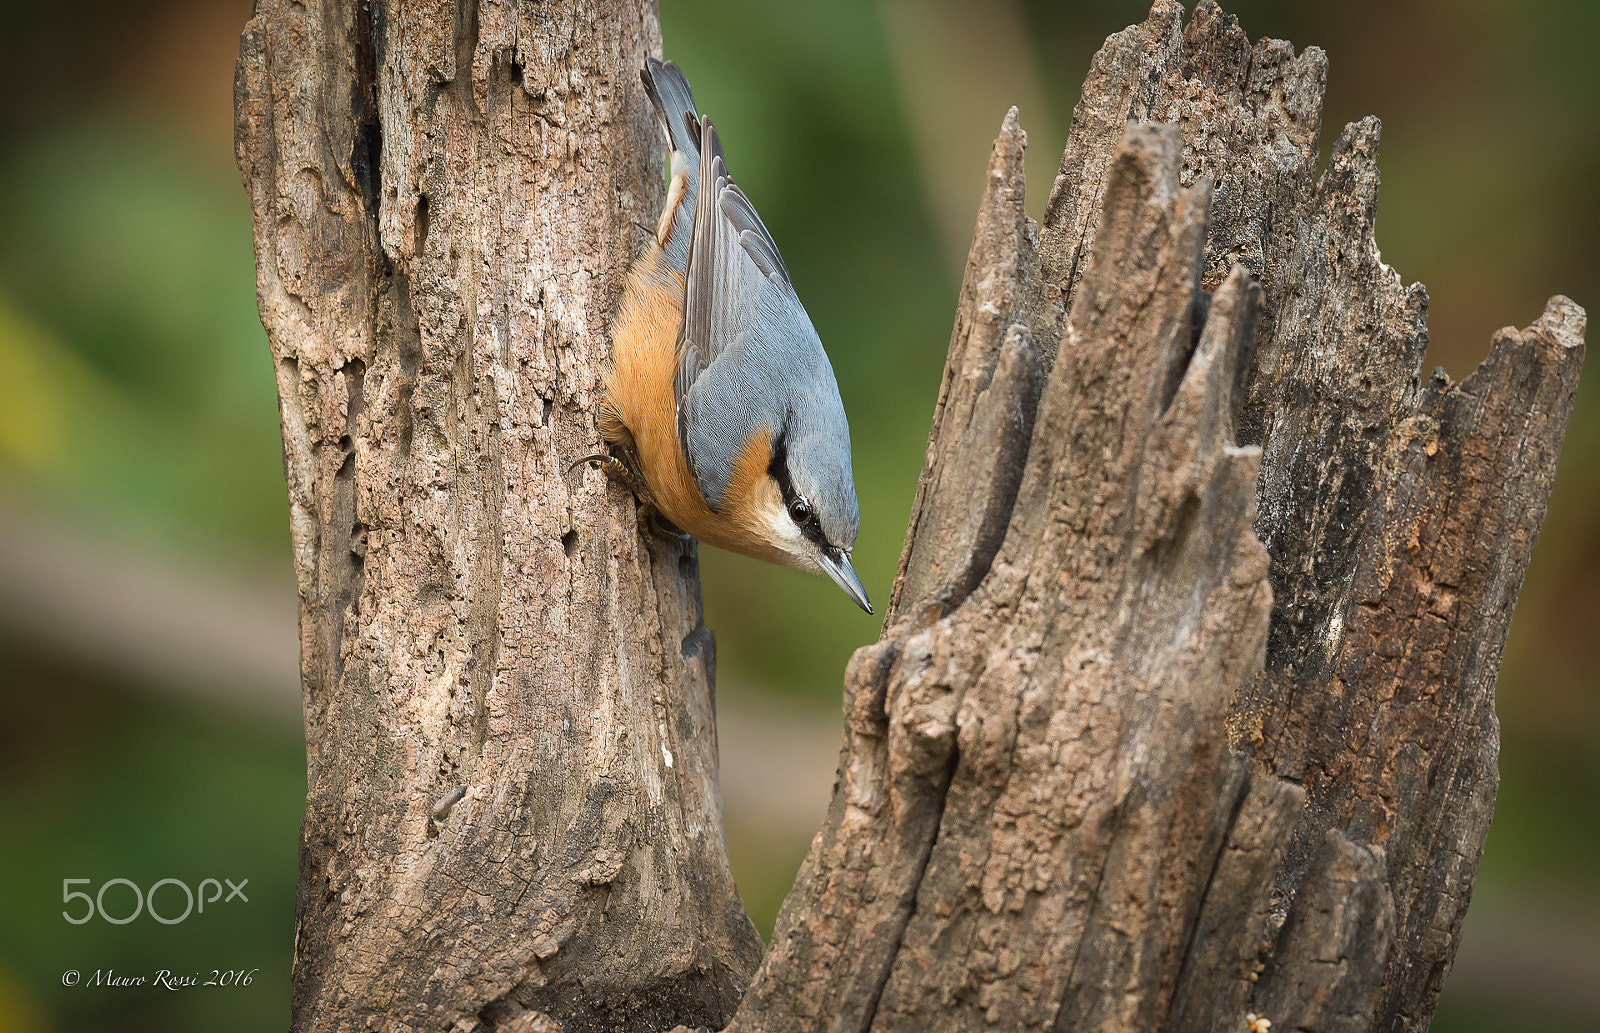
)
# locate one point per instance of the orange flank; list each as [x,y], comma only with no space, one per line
[640,412]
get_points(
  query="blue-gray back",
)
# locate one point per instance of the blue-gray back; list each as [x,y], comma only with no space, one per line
[751,360]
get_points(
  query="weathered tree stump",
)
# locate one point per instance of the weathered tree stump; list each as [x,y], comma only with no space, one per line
[1183,708]
[1087,782]
[446,202]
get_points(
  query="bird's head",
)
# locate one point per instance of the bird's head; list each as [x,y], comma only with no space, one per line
[805,506]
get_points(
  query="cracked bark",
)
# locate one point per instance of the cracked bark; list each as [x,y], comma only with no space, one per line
[1179,742]
[446,199]
[1183,708]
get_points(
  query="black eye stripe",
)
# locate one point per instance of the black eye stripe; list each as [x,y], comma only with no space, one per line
[778,470]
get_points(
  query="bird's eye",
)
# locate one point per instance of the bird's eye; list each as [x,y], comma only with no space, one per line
[799,510]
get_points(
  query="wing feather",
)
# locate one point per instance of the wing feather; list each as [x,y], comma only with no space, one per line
[735,278]
[753,235]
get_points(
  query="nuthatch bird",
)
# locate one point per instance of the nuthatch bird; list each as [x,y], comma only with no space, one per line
[720,385]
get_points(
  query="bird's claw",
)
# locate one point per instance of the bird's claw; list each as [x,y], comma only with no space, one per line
[661,526]
[617,470]
[648,512]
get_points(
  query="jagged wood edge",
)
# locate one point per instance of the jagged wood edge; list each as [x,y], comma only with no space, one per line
[1346,196]
[927,727]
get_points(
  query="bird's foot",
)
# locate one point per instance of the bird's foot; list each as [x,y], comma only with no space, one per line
[617,470]
[649,514]
[660,526]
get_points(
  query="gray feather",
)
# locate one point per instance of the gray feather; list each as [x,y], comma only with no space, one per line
[753,235]
[751,360]
[669,92]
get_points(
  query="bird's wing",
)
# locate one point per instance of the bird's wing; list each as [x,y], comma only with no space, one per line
[737,305]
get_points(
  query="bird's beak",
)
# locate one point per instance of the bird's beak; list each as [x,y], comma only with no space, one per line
[837,564]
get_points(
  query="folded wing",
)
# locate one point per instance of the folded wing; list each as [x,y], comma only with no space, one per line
[746,341]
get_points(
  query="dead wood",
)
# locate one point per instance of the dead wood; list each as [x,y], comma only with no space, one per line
[1096,775]
[446,200]
[1183,708]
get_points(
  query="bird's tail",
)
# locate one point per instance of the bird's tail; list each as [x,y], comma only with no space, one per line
[669,92]
[680,120]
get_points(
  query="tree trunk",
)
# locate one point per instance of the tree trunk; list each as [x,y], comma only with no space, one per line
[447,198]
[1151,742]
[1184,704]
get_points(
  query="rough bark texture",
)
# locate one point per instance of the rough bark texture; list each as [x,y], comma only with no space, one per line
[1184,704]
[1097,775]
[446,199]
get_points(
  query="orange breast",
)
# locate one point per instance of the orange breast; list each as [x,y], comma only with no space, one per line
[640,412]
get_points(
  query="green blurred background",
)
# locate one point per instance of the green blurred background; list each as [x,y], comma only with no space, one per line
[148,711]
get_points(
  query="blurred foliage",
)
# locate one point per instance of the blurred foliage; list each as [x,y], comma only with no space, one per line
[138,378]
[135,383]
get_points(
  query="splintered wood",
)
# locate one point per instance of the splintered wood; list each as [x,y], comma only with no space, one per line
[1182,718]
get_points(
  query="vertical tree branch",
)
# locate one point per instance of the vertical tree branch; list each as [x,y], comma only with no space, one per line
[446,199]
